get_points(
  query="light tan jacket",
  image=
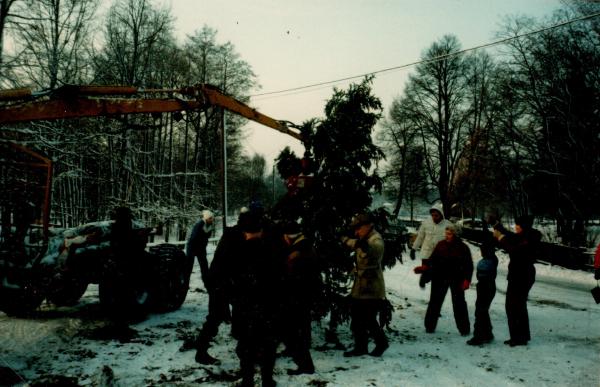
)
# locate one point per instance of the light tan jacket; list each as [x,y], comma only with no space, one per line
[368,274]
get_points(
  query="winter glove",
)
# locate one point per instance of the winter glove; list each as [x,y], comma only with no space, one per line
[424,266]
[597,274]
[466,284]
[412,254]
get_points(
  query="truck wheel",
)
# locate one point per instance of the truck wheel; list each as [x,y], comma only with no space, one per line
[67,293]
[172,277]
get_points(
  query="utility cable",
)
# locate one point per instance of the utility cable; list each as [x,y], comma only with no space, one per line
[430,60]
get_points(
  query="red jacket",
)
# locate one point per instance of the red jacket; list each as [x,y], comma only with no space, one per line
[597,258]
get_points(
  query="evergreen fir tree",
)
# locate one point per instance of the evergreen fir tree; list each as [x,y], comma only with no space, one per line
[343,157]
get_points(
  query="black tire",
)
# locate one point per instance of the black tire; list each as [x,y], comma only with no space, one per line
[20,302]
[67,292]
[172,277]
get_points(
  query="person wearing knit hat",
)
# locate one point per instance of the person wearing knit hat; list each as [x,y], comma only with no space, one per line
[522,247]
[218,293]
[431,231]
[255,294]
[368,288]
[196,244]
[451,267]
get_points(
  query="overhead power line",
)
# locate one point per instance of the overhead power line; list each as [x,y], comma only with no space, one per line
[434,59]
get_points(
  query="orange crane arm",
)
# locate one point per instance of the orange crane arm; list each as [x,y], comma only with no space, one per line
[90,101]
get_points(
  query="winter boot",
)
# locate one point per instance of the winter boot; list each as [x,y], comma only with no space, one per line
[379,349]
[266,376]
[357,351]
[203,357]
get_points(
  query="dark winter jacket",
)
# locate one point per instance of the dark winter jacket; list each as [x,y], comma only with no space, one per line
[219,274]
[522,249]
[256,276]
[451,261]
[196,245]
[302,280]
[487,268]
[488,265]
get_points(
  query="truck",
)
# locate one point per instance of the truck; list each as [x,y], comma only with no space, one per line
[39,261]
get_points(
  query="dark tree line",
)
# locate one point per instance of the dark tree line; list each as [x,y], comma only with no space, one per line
[515,132]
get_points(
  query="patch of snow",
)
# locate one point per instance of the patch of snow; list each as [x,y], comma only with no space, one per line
[564,350]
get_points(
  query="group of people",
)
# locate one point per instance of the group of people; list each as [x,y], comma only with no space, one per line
[264,280]
[256,270]
[447,264]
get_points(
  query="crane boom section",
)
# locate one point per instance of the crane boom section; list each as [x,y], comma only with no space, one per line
[91,101]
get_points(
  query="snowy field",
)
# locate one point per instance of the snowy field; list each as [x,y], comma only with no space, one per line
[564,351]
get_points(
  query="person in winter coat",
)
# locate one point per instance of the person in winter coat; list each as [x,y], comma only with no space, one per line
[196,245]
[522,247]
[486,290]
[217,284]
[125,271]
[430,233]
[256,276]
[451,267]
[368,289]
[302,281]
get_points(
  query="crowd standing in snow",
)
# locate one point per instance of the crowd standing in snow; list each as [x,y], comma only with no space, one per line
[270,277]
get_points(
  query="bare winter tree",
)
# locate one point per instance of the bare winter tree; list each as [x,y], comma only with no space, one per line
[137,40]
[220,65]
[133,32]
[5,16]
[435,98]
[475,175]
[557,77]
[400,138]
[54,38]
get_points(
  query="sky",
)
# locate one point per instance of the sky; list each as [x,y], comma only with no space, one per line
[295,43]
[564,350]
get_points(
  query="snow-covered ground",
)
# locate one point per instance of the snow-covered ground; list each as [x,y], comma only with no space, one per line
[564,351]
